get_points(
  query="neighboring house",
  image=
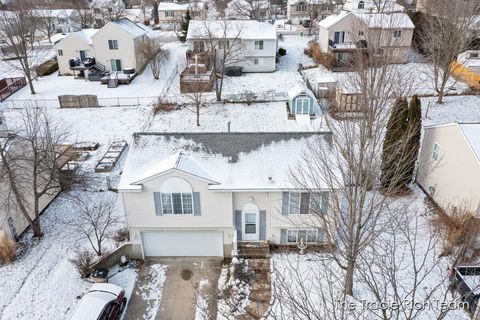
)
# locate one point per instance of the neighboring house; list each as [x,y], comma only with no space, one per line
[195,194]
[257,41]
[301,10]
[372,6]
[172,12]
[449,165]
[259,10]
[61,20]
[467,68]
[114,47]
[344,33]
[302,101]
[12,220]
[134,15]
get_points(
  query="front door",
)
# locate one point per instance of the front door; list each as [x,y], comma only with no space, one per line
[250,226]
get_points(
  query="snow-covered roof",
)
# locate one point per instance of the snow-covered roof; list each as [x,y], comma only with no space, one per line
[399,20]
[172,6]
[235,161]
[84,34]
[320,75]
[371,6]
[471,131]
[333,19]
[248,29]
[130,27]
[298,89]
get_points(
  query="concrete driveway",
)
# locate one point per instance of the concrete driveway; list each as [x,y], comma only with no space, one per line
[178,291]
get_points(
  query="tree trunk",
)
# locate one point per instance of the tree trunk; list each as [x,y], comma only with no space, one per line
[440,96]
[198,115]
[349,278]
[37,230]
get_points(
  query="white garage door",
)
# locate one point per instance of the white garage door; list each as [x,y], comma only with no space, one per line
[183,243]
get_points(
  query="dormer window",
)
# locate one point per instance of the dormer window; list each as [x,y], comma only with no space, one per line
[361,5]
[301,6]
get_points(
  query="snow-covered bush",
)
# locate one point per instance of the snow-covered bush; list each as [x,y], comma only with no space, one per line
[83,262]
[7,248]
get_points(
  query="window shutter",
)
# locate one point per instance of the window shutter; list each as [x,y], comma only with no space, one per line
[196,204]
[283,236]
[157,199]
[238,223]
[263,225]
[285,203]
[325,199]
[304,203]
[320,235]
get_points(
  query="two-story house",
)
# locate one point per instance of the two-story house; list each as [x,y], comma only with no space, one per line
[59,20]
[173,12]
[449,165]
[259,10]
[372,6]
[256,42]
[197,194]
[386,33]
[299,11]
[114,47]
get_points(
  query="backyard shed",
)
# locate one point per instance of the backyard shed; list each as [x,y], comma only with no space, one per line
[301,100]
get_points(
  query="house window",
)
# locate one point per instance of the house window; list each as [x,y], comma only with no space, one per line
[96,10]
[308,235]
[198,46]
[301,6]
[60,52]
[169,14]
[436,152]
[474,54]
[255,61]
[305,203]
[397,33]
[258,44]
[302,105]
[113,44]
[361,5]
[177,203]
[116,64]
[379,51]
[294,203]
[223,44]
[360,32]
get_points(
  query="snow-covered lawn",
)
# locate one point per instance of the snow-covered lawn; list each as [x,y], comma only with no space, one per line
[50,87]
[42,283]
[257,117]
[13,68]
[453,109]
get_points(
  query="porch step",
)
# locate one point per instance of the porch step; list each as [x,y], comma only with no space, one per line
[254,249]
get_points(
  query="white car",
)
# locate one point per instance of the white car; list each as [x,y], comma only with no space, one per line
[104,301]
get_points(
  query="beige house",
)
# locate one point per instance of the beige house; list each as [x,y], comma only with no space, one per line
[172,12]
[300,10]
[114,47]
[449,165]
[202,194]
[344,33]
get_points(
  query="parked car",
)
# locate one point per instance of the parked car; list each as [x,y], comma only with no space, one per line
[233,71]
[104,301]
[466,281]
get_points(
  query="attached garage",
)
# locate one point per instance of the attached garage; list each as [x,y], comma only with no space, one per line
[180,243]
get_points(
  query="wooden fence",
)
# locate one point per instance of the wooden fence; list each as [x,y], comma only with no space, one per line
[9,86]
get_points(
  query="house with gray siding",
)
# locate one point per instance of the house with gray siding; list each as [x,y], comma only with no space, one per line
[202,194]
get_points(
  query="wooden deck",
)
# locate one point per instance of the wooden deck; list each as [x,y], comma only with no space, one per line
[258,249]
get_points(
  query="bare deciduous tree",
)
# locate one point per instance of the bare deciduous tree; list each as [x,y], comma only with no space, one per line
[46,22]
[30,168]
[95,219]
[156,56]
[224,45]
[18,27]
[82,14]
[197,96]
[253,9]
[446,32]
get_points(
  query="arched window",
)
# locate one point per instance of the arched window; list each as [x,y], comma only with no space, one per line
[176,196]
[301,6]
[361,5]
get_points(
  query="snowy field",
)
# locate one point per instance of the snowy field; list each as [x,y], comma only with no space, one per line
[257,117]
[12,68]
[453,109]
